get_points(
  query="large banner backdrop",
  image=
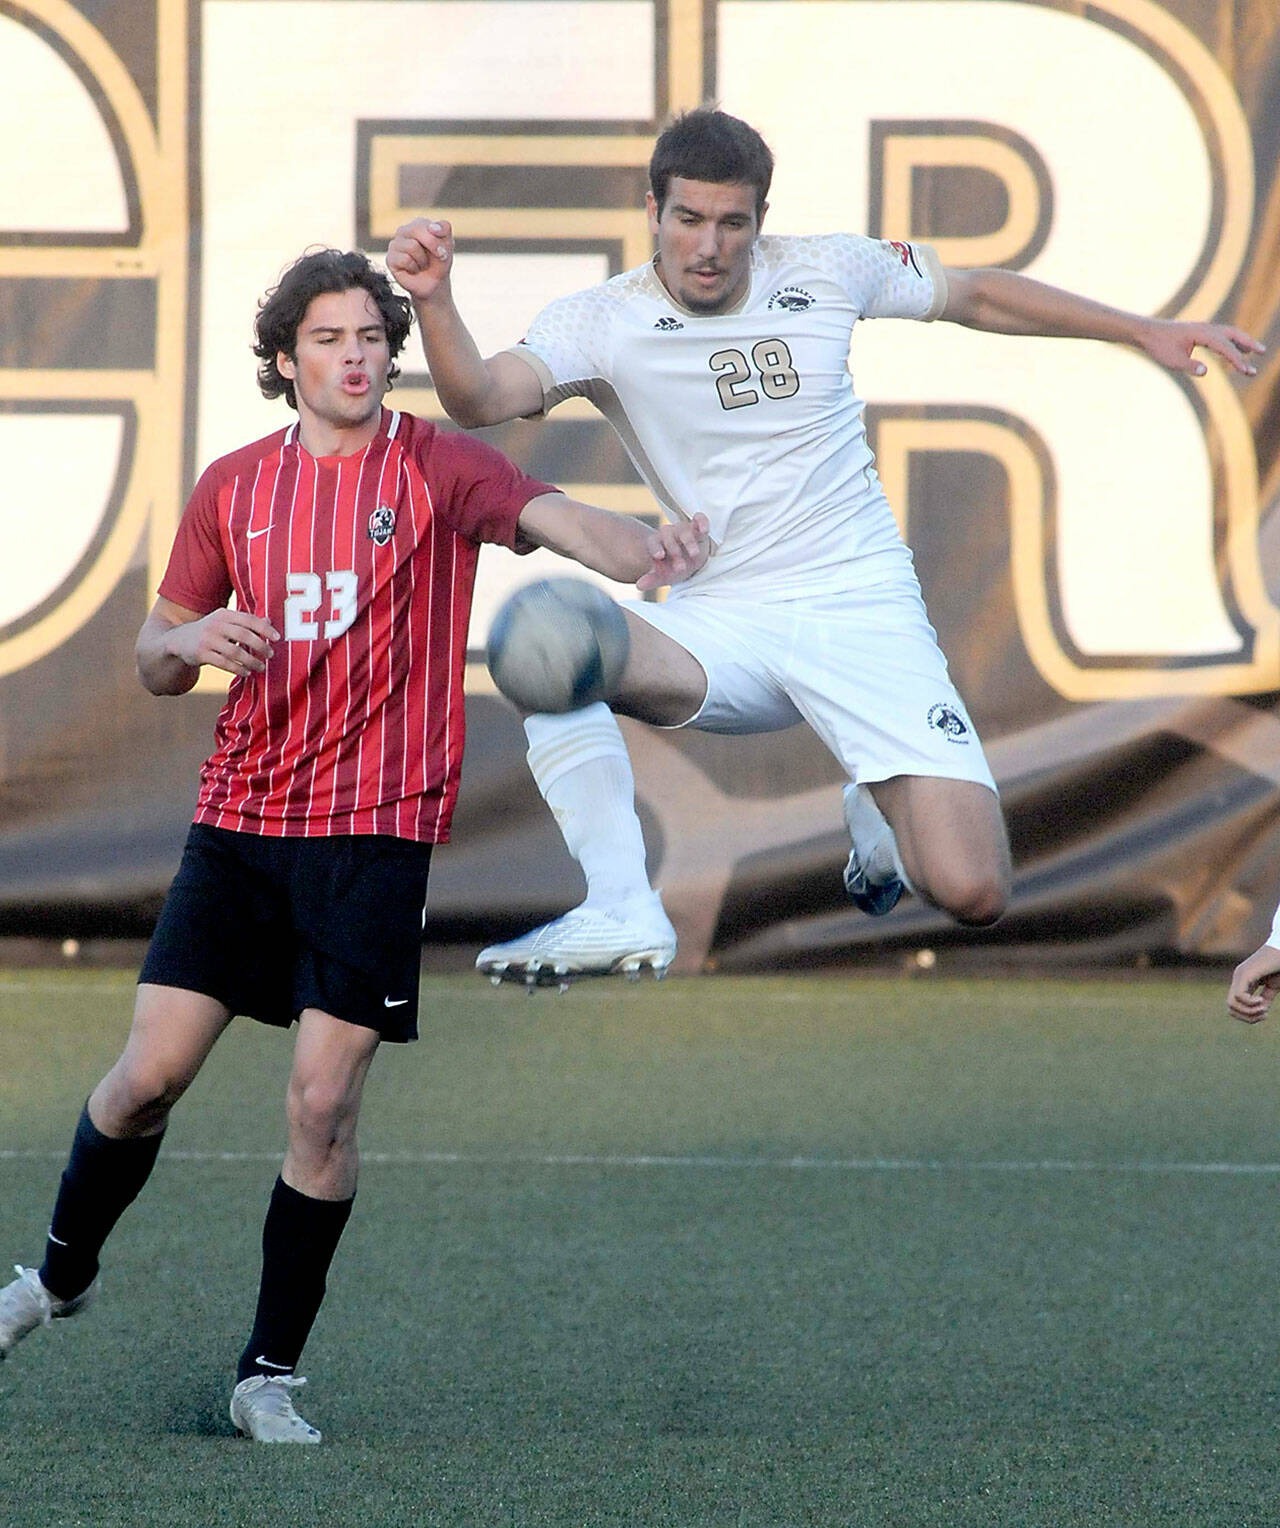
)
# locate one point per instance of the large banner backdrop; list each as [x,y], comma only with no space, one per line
[1098,541]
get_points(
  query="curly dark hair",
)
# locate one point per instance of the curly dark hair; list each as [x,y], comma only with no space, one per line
[707,144]
[283,308]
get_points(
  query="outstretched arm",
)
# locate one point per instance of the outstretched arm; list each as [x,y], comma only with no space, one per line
[1007,303]
[474,391]
[617,545]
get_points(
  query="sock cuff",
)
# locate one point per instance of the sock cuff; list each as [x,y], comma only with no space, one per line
[89,1138]
[558,744]
[292,1201]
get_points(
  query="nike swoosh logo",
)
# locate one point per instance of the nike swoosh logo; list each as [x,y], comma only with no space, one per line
[57,1240]
[266,1363]
[253,535]
[396,1002]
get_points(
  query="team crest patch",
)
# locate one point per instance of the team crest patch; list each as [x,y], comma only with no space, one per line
[949,722]
[666,322]
[382,525]
[793,298]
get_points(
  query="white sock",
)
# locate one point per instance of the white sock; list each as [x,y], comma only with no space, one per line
[882,859]
[583,770]
[886,862]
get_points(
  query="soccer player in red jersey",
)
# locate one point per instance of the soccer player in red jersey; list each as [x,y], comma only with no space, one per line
[349,541]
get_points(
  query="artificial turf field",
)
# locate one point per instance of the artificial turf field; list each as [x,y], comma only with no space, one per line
[766,1252]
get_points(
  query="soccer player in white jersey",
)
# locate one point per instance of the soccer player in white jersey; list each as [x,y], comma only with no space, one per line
[723,365]
[1256,980]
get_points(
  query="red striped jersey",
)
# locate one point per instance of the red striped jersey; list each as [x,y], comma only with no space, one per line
[365,564]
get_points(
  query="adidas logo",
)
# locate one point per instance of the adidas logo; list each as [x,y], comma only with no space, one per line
[668,323]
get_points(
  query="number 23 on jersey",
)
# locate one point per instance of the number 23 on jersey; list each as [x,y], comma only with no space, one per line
[317,607]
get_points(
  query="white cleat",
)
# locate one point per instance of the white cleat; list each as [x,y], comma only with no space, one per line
[26,1304]
[262,1409]
[589,941]
[871,876]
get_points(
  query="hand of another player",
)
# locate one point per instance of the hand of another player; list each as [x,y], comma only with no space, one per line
[420,256]
[1175,345]
[1254,982]
[678,550]
[234,640]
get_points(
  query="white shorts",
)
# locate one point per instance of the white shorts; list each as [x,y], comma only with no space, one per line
[864,669]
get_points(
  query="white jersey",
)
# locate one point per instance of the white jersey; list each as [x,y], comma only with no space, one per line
[750,416]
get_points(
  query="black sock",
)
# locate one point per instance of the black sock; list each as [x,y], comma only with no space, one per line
[102,1179]
[299,1237]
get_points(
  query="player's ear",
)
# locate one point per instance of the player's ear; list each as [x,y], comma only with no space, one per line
[285,365]
[760,219]
[651,207]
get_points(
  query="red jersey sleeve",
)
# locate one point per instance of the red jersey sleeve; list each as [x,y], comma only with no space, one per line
[475,488]
[197,576]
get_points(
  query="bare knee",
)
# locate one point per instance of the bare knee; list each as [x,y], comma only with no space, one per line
[322,1159]
[321,1117]
[135,1099]
[977,899]
[952,840]
[974,895]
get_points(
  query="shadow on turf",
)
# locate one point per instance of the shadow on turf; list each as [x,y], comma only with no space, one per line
[201,1411]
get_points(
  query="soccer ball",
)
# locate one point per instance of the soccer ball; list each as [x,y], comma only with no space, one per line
[558,645]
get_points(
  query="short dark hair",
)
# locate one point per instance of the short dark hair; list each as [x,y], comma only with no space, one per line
[285,305]
[706,144]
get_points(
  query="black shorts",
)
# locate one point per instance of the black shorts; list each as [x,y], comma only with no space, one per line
[270,926]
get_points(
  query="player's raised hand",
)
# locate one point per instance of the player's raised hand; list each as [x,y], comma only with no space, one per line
[1254,983]
[234,640]
[1175,345]
[678,550]
[420,256]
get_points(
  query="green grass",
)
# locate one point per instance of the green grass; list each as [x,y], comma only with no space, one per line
[752,1253]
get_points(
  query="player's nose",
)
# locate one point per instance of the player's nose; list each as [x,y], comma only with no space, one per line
[708,243]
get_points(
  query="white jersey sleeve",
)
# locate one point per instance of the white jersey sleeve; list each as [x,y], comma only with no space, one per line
[883,278]
[568,344]
[1273,938]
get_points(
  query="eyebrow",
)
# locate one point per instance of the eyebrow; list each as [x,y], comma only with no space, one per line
[341,329]
[679,207]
